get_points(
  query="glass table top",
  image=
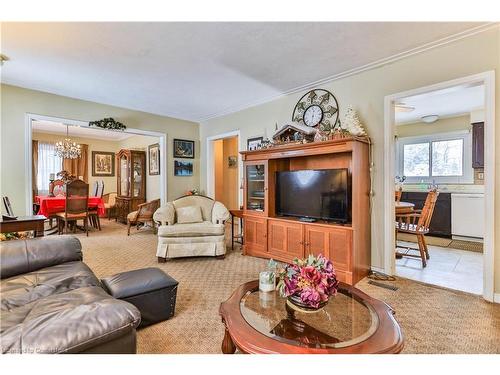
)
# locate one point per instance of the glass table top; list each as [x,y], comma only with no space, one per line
[344,321]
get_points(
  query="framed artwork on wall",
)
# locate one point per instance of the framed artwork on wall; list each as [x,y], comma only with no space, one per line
[254,143]
[183,168]
[103,164]
[183,149]
[154,159]
[232,161]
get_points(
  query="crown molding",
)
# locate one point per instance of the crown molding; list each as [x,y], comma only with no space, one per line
[376,64]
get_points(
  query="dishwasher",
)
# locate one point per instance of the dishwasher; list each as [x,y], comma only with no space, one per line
[467,215]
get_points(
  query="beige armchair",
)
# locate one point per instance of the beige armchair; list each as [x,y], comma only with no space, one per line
[193,225]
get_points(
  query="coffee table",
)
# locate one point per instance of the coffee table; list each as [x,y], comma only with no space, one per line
[351,322]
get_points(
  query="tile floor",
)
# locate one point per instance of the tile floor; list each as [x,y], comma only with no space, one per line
[449,268]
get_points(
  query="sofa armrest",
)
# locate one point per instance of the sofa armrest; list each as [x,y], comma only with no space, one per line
[165,215]
[23,256]
[219,213]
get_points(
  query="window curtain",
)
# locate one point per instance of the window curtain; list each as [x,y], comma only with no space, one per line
[78,167]
[34,168]
[48,162]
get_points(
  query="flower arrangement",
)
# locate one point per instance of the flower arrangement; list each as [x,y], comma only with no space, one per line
[192,192]
[310,281]
[108,123]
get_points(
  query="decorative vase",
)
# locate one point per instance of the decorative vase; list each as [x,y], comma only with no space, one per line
[267,281]
[296,304]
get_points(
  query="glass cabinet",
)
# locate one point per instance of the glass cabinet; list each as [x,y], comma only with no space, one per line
[256,187]
[131,182]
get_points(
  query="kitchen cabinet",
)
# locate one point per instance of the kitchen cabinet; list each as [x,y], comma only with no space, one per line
[478,145]
[440,225]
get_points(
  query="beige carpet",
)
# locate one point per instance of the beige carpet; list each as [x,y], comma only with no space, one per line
[473,246]
[433,320]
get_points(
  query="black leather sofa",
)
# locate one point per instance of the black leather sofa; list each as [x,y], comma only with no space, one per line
[51,302]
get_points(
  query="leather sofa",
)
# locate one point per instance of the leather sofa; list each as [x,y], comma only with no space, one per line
[203,238]
[51,302]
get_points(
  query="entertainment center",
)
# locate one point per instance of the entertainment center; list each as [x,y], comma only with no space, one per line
[321,193]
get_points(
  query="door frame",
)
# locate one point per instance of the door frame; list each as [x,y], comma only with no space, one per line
[28,137]
[210,163]
[488,79]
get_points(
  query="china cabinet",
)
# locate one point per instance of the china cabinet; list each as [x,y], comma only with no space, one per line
[131,182]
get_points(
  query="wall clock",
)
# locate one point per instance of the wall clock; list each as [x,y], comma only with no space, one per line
[317,107]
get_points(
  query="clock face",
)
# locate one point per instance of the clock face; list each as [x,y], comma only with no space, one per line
[313,115]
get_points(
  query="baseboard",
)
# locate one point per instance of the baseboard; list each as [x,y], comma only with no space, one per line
[377,269]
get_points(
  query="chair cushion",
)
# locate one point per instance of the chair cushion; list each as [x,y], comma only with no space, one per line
[71,216]
[206,204]
[205,228]
[131,216]
[189,214]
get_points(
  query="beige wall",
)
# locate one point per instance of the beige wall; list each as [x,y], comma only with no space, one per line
[16,102]
[94,145]
[366,92]
[443,125]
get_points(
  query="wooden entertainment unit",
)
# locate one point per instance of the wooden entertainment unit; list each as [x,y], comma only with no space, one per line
[285,238]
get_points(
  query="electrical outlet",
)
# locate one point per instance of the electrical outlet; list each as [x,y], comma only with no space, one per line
[480,175]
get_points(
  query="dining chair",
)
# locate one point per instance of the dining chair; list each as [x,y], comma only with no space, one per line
[95,187]
[109,203]
[398,193]
[93,211]
[418,223]
[77,206]
[100,189]
[56,188]
[143,215]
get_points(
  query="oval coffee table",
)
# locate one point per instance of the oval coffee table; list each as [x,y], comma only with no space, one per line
[351,322]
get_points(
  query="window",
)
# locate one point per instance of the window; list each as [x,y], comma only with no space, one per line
[442,158]
[48,163]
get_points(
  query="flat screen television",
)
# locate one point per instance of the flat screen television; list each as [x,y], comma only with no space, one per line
[316,194]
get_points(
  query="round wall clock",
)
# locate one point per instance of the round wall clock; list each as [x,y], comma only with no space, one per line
[317,107]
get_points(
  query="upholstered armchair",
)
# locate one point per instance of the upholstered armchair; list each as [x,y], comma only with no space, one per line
[193,225]
[142,215]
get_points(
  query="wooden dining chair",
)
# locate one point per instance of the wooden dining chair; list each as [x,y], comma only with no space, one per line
[93,211]
[398,193]
[56,188]
[144,214]
[77,206]
[109,203]
[417,223]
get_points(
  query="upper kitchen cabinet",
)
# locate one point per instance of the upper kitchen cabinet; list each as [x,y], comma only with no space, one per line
[478,145]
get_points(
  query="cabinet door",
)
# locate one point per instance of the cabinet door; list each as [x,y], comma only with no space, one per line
[334,243]
[285,240]
[256,191]
[255,236]
[478,145]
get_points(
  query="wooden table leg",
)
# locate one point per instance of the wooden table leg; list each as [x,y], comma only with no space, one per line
[227,346]
[40,230]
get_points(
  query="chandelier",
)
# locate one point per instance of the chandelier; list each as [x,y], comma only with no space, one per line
[67,149]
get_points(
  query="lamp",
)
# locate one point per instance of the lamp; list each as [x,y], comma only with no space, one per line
[67,149]
[429,119]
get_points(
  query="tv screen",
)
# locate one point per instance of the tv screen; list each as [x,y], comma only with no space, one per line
[318,194]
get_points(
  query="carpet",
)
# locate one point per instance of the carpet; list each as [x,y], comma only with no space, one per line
[474,246]
[433,320]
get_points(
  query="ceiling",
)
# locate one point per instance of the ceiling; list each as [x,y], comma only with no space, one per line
[196,71]
[78,131]
[449,102]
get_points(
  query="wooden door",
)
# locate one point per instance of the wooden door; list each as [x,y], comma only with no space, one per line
[255,235]
[334,243]
[285,240]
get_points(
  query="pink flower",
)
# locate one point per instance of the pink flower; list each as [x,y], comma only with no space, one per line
[311,274]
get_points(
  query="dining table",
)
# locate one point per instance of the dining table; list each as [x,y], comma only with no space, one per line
[50,206]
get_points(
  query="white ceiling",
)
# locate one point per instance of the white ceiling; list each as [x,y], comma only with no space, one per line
[453,101]
[78,131]
[198,70]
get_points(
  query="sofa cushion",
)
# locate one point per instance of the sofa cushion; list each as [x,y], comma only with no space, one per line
[22,289]
[67,322]
[189,214]
[205,228]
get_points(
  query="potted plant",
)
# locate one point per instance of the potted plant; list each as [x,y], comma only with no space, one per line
[308,283]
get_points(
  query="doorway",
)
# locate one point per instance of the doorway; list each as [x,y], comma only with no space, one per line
[440,156]
[226,172]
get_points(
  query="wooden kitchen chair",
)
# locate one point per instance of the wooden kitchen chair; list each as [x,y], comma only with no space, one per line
[397,194]
[417,223]
[143,215]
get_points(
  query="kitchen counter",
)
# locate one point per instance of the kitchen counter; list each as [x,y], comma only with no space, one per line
[456,189]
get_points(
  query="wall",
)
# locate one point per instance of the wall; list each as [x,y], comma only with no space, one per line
[443,125]
[16,102]
[366,91]
[226,178]
[94,145]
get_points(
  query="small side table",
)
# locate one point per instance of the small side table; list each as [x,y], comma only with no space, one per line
[24,223]
[239,215]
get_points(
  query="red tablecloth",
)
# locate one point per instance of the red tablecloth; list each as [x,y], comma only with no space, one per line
[52,205]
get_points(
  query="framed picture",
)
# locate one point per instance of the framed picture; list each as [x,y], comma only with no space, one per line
[154,159]
[183,149]
[232,161]
[103,163]
[254,143]
[183,168]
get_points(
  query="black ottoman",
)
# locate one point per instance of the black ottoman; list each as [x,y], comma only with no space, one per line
[151,290]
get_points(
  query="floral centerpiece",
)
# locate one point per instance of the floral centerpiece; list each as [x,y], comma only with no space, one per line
[308,283]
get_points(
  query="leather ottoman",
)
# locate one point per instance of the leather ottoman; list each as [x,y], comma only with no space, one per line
[151,290]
